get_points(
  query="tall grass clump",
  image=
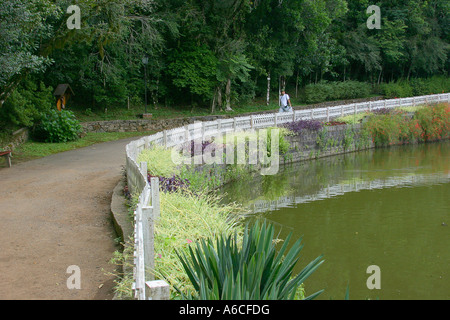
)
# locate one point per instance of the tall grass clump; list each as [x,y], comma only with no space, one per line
[159,161]
[187,218]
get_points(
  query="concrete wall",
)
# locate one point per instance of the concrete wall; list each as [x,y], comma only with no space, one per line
[331,140]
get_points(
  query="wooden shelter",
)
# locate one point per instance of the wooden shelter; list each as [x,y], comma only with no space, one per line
[62,94]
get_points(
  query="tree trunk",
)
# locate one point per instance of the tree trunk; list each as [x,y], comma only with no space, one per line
[268,88]
[379,76]
[213,103]
[296,86]
[279,89]
[228,95]
[409,71]
[219,97]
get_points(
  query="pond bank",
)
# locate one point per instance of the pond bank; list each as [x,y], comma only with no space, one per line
[310,145]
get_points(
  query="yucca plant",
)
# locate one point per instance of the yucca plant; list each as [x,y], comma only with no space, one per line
[225,269]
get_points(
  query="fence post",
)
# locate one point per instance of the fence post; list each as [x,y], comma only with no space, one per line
[203,131]
[149,241]
[165,138]
[143,167]
[154,182]
[251,121]
[328,114]
[157,290]
[186,133]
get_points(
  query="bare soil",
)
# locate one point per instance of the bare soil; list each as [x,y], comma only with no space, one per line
[55,212]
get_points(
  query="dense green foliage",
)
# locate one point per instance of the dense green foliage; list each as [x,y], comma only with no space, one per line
[26,105]
[225,269]
[58,126]
[415,87]
[324,91]
[217,54]
[428,124]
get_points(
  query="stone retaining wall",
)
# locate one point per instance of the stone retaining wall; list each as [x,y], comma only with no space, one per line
[332,140]
[140,125]
[17,138]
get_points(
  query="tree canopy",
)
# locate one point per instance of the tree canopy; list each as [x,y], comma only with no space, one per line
[215,53]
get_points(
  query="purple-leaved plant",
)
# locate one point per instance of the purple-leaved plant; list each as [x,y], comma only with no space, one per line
[298,126]
[171,184]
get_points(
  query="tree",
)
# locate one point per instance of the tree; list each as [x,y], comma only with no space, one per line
[24,25]
[194,68]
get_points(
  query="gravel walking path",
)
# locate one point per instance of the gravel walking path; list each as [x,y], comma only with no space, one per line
[54,213]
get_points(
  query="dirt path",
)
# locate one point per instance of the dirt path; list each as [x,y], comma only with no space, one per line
[54,213]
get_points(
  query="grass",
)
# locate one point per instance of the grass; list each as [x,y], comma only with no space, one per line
[159,161]
[186,218]
[167,112]
[33,150]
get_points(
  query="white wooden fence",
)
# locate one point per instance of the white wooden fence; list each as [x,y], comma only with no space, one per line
[147,210]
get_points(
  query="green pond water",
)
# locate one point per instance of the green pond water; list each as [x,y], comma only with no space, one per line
[385,207]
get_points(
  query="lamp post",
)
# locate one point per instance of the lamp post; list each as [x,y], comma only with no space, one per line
[145,62]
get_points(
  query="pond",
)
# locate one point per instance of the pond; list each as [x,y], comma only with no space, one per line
[387,207]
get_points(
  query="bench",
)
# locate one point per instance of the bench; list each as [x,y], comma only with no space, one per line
[7,155]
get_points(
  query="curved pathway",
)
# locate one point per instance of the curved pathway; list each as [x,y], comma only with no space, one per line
[54,213]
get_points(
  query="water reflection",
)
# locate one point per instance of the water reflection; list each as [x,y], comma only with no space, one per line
[397,167]
[385,207]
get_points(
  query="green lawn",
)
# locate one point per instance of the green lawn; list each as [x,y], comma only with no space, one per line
[162,112]
[33,150]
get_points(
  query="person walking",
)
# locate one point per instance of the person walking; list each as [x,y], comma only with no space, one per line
[285,102]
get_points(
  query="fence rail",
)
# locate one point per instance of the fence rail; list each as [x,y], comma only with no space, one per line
[147,210]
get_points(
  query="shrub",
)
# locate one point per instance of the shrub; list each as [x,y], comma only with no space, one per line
[326,91]
[433,85]
[58,126]
[434,122]
[26,105]
[297,127]
[283,143]
[398,89]
[415,87]
[350,90]
[384,129]
[315,93]
[429,123]
[223,269]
